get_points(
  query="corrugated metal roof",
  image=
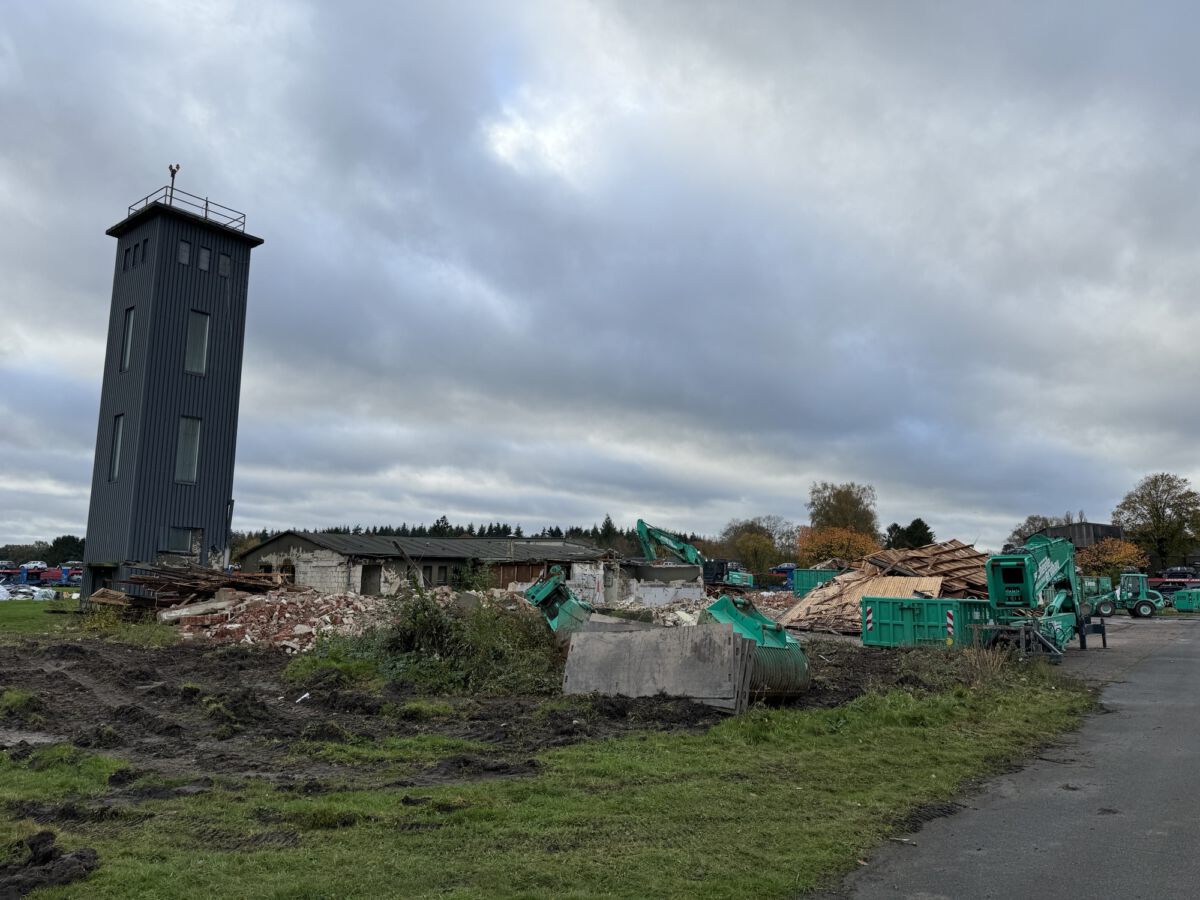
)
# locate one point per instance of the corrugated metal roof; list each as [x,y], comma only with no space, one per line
[483,549]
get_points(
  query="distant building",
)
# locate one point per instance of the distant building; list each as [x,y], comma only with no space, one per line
[1084,534]
[162,480]
[373,564]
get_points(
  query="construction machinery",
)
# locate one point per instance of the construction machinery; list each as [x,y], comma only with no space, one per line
[564,612]
[718,573]
[757,653]
[1035,597]
[1132,594]
[780,666]
[1034,603]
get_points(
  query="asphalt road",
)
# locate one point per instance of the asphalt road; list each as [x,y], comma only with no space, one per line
[1113,811]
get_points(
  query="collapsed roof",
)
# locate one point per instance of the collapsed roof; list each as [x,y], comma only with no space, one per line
[945,569]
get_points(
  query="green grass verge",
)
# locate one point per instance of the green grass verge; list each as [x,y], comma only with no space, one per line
[29,617]
[773,803]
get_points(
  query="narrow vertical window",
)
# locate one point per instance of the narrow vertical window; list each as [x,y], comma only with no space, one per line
[145,244]
[114,459]
[187,451]
[125,265]
[185,253]
[195,360]
[223,265]
[127,340]
[203,258]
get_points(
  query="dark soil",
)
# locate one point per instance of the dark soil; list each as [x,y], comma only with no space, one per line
[44,865]
[195,711]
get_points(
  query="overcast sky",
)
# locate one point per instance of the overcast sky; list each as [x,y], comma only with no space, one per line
[539,262]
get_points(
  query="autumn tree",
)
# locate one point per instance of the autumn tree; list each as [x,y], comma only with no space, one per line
[1111,557]
[848,505]
[815,545]
[1161,515]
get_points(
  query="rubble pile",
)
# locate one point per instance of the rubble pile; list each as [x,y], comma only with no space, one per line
[289,619]
[945,569]
[169,586]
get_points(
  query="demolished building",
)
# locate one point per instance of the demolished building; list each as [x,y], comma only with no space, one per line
[378,565]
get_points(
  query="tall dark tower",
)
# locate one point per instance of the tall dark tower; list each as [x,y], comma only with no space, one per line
[162,482]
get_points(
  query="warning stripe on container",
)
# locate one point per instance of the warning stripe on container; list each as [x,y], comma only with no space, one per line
[950,623]
[870,624]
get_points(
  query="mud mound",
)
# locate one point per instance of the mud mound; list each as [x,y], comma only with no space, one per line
[464,767]
[45,866]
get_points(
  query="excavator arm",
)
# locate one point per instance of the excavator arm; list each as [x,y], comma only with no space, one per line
[649,536]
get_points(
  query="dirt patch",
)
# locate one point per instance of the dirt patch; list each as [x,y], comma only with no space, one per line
[192,711]
[463,767]
[44,865]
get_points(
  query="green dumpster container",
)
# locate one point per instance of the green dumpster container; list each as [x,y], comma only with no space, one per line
[1186,601]
[804,580]
[914,621]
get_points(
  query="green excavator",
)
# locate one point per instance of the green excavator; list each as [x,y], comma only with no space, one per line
[718,573]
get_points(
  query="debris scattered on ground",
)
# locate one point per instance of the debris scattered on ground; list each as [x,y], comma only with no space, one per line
[287,618]
[45,866]
[946,569]
[168,586]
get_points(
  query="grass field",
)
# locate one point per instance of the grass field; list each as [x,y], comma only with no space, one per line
[29,617]
[773,803]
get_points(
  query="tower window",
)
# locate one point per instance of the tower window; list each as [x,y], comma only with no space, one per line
[125,265]
[114,459]
[223,265]
[202,259]
[145,244]
[195,360]
[185,252]
[183,540]
[187,450]
[127,340]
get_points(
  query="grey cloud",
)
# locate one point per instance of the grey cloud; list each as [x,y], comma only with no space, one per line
[550,261]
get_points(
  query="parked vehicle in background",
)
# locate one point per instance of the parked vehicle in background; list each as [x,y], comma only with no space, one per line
[7,564]
[35,564]
[1178,573]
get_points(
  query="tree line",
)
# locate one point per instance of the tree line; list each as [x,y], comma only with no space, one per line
[1160,517]
[64,548]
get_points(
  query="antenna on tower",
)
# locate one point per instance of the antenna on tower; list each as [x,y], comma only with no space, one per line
[172,168]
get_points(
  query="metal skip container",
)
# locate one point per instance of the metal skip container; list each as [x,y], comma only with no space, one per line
[920,621]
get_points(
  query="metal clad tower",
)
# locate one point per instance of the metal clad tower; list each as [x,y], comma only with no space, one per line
[162,481]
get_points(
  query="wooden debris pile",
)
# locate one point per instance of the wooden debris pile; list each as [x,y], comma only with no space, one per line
[161,586]
[945,569]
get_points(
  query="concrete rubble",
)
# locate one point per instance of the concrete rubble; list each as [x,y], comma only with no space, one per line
[290,619]
[293,618]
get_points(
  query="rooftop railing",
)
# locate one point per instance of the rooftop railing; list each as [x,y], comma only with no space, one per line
[197,206]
